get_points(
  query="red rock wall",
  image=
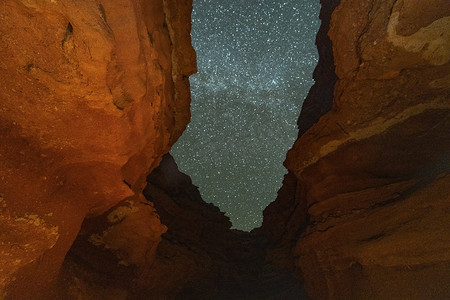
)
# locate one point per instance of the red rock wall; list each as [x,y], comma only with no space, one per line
[199,257]
[120,244]
[370,180]
[93,93]
[285,218]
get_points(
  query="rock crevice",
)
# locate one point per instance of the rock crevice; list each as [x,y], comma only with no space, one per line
[95,93]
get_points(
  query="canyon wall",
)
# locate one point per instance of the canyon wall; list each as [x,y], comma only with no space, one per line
[199,257]
[364,211]
[93,94]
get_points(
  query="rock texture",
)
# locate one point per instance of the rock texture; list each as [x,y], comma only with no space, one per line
[115,256]
[93,93]
[285,218]
[363,213]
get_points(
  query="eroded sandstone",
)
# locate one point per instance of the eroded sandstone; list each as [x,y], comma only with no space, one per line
[372,173]
[93,93]
[199,256]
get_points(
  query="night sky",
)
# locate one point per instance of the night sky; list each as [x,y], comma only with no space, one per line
[255,62]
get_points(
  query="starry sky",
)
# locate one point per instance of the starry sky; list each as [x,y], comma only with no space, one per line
[255,62]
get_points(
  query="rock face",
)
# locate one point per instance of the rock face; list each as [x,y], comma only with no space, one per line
[93,93]
[199,257]
[363,213]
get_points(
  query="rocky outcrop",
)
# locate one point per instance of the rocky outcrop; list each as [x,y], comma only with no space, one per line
[93,93]
[320,97]
[364,209]
[210,260]
[286,217]
[200,257]
[186,261]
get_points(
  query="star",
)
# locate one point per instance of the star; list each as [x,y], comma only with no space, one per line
[255,62]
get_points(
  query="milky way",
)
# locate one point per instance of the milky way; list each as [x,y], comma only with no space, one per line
[255,62]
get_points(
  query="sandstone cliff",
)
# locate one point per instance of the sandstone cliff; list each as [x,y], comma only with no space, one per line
[363,213]
[93,93]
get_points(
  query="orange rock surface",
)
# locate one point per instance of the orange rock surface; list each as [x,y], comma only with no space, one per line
[373,172]
[93,93]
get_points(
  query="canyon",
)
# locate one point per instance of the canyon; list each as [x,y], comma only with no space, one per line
[92,206]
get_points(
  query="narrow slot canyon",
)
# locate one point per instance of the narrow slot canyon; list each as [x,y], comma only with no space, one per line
[95,93]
